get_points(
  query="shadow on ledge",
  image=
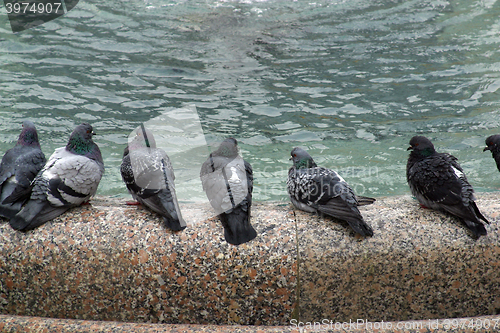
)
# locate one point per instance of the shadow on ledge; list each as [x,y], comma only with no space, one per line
[112,262]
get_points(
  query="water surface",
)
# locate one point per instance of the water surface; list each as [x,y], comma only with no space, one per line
[351,81]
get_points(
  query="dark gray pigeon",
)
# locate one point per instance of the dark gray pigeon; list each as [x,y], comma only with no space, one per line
[227,180]
[19,167]
[493,145]
[70,177]
[438,182]
[149,177]
[315,189]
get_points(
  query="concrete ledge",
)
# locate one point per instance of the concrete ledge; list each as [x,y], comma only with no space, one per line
[111,262]
[38,324]
[420,264]
[108,261]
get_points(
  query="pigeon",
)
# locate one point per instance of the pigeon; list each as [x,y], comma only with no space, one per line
[148,174]
[68,179]
[227,180]
[493,145]
[438,182]
[19,167]
[320,190]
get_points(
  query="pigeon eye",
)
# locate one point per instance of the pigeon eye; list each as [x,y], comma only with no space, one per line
[416,144]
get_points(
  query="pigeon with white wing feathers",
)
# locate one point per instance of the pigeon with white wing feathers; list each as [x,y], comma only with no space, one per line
[227,180]
[438,182]
[19,167]
[70,178]
[315,189]
[149,176]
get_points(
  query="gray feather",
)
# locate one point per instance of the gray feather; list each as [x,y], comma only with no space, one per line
[438,182]
[316,189]
[18,168]
[149,176]
[227,180]
[69,178]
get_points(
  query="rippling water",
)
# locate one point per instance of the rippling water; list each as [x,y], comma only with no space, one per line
[352,81]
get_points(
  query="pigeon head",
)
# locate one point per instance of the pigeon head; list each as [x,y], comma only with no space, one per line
[301,159]
[421,146]
[492,143]
[28,136]
[80,141]
[227,148]
[143,139]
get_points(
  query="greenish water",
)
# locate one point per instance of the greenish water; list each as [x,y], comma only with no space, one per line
[351,81]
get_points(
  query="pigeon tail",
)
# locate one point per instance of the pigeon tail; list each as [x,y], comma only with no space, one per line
[8,211]
[478,213]
[477,229]
[34,214]
[27,218]
[237,227]
[350,214]
[357,224]
[173,224]
[360,227]
[166,205]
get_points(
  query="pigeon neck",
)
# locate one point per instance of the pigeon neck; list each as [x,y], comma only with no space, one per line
[226,152]
[28,138]
[427,152]
[305,164]
[79,146]
[423,153]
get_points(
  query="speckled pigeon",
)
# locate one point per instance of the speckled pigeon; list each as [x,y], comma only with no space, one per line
[19,167]
[149,177]
[316,189]
[438,182]
[227,180]
[70,177]
[493,145]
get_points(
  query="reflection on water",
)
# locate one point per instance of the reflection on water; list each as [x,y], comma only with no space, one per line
[351,81]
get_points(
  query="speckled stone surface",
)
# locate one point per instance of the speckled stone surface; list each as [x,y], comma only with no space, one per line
[109,261]
[13,324]
[420,264]
[37,324]
[112,262]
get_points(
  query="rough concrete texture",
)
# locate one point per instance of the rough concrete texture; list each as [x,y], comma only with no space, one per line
[38,324]
[112,262]
[420,264]
[109,261]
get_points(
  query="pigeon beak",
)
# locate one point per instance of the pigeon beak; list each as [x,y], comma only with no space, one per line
[487,148]
[410,148]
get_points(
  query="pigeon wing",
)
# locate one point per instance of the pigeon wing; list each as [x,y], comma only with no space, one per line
[70,179]
[327,192]
[27,166]
[435,180]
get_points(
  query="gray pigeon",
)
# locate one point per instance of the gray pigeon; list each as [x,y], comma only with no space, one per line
[227,180]
[315,189]
[70,177]
[149,177]
[438,182]
[19,166]
[493,145]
